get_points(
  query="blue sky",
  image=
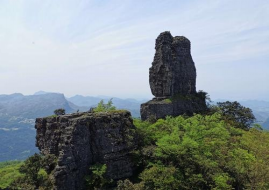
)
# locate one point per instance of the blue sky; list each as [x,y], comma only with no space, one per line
[106,47]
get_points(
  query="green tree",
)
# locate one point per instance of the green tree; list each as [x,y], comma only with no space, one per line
[128,185]
[9,171]
[200,152]
[33,176]
[102,107]
[236,114]
[161,177]
[30,168]
[97,178]
[59,111]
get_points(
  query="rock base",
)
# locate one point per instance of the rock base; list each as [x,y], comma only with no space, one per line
[84,139]
[160,108]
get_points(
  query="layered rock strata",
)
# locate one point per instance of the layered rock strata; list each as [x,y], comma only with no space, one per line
[83,139]
[173,74]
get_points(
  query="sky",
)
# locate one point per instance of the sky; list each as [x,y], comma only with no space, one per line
[106,47]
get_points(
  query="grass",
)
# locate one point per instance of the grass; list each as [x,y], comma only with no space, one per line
[167,100]
[111,111]
[8,172]
[52,116]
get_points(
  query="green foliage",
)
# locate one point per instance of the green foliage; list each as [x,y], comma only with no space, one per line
[199,95]
[8,172]
[33,176]
[238,115]
[31,168]
[204,95]
[102,107]
[52,116]
[9,163]
[161,177]
[59,111]
[97,178]
[200,152]
[48,163]
[167,100]
[128,185]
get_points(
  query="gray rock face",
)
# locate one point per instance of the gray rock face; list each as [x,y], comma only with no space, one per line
[161,108]
[83,139]
[173,71]
[173,74]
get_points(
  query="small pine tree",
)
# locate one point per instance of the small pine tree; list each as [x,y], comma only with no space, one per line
[102,107]
[109,105]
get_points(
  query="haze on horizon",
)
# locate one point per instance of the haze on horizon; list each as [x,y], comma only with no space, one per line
[106,47]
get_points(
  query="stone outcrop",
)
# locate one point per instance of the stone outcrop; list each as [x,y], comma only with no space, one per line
[83,139]
[158,108]
[173,71]
[172,77]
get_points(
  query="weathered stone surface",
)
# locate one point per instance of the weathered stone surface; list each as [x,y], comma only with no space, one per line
[83,139]
[162,108]
[173,71]
[173,74]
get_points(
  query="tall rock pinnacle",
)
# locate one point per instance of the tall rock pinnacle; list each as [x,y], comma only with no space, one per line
[172,79]
[173,70]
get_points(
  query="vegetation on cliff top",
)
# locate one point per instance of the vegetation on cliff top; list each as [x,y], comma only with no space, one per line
[59,111]
[199,152]
[102,107]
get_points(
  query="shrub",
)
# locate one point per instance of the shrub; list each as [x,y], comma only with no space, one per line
[236,114]
[60,111]
[33,175]
[128,185]
[200,152]
[102,107]
[97,178]
[9,171]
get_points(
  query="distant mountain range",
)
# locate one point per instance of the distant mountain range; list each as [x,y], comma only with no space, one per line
[18,113]
[17,118]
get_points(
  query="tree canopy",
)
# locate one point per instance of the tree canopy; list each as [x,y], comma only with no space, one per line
[239,115]
[199,152]
[59,111]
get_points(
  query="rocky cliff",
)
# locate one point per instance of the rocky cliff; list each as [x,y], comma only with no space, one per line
[83,139]
[172,78]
